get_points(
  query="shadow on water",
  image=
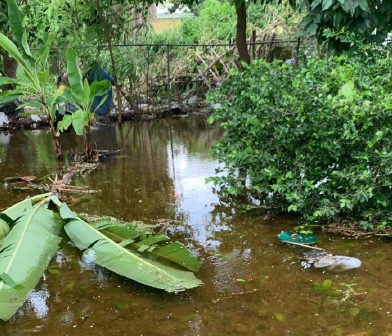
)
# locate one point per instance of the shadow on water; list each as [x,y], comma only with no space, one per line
[252,284]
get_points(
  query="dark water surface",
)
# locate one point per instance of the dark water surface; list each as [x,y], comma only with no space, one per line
[160,159]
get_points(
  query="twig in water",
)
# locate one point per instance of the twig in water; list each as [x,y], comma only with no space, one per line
[303,245]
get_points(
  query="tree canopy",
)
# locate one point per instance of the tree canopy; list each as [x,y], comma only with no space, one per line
[372,19]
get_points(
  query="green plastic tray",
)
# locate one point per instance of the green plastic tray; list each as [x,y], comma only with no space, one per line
[301,238]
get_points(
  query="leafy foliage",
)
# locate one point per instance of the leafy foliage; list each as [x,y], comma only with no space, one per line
[314,141]
[33,85]
[34,238]
[371,19]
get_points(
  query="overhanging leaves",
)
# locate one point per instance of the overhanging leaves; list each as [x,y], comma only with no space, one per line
[15,19]
[13,51]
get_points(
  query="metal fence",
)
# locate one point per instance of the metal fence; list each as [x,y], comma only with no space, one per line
[169,76]
[179,86]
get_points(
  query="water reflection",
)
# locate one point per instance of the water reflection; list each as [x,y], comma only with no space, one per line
[189,172]
[37,301]
[158,160]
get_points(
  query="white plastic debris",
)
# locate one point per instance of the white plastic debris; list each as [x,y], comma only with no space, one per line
[3,119]
[5,139]
[35,118]
[191,100]
[335,263]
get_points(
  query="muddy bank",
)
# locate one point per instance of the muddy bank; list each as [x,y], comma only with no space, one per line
[34,120]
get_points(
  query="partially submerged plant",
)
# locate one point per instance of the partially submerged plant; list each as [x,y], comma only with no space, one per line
[331,294]
[81,94]
[130,250]
[326,289]
[36,72]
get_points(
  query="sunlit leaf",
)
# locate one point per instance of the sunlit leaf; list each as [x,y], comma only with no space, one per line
[25,253]
[100,249]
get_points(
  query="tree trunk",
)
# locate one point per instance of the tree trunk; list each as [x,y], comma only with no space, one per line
[56,141]
[10,68]
[118,92]
[241,32]
[88,143]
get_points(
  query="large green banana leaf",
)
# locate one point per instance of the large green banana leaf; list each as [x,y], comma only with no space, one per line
[13,51]
[9,216]
[4,229]
[15,20]
[144,240]
[26,251]
[100,249]
[75,77]
[15,211]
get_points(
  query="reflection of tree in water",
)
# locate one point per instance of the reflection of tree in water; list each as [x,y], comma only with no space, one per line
[196,134]
[136,183]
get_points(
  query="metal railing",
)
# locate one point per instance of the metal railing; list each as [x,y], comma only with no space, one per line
[166,83]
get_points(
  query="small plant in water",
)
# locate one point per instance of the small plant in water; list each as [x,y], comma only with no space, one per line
[349,293]
[344,298]
[81,94]
[325,289]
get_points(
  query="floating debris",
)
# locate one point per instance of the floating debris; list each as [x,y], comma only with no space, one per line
[300,238]
[331,262]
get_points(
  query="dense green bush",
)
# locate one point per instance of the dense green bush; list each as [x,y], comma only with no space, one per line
[316,140]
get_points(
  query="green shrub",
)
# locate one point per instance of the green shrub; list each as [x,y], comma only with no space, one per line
[316,141]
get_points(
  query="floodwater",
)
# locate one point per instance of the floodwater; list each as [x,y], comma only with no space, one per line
[253,284]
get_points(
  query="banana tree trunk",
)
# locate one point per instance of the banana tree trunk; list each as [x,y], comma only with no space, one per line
[56,141]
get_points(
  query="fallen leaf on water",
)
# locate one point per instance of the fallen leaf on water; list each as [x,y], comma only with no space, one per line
[279,317]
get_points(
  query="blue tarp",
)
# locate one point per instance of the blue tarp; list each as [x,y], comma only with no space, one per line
[98,75]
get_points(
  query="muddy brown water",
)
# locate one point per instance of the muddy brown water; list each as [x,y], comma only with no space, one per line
[253,285]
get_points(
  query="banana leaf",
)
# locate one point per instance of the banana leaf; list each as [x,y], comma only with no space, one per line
[105,252]
[15,211]
[4,229]
[145,240]
[26,251]
[13,51]
[74,75]
[15,20]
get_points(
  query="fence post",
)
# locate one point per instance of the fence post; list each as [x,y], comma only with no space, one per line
[168,75]
[253,46]
[297,52]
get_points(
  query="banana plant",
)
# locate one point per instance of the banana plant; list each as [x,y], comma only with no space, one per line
[30,236]
[36,72]
[81,94]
